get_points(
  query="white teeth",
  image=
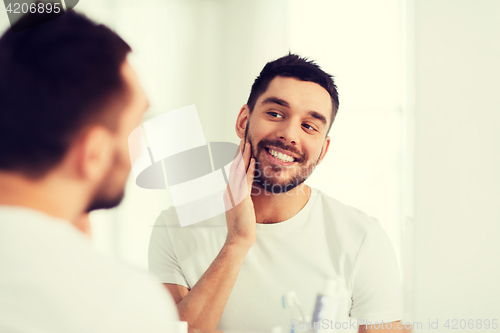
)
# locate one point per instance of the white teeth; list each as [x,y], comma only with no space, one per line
[281,156]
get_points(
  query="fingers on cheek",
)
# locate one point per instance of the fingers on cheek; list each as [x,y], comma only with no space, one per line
[244,191]
[235,165]
[240,174]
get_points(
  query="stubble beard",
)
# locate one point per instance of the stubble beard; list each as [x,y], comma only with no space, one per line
[265,177]
[102,198]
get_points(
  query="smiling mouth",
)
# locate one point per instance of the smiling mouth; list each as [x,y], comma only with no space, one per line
[280,156]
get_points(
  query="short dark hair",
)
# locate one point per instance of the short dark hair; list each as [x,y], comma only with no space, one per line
[55,80]
[292,65]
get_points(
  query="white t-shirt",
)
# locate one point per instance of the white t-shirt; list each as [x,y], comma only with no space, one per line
[326,239]
[52,281]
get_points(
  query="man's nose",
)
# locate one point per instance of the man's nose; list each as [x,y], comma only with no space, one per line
[288,134]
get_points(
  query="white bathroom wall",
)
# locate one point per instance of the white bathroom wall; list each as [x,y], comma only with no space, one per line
[457,170]
[4,20]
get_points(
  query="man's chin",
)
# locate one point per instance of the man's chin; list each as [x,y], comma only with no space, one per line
[277,188]
[105,203]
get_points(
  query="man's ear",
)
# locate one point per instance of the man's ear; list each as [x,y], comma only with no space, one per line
[242,121]
[324,149]
[95,153]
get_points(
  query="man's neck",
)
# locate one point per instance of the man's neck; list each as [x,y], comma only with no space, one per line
[274,208]
[51,195]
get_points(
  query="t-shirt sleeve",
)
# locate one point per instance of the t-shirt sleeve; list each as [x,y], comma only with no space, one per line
[162,258]
[377,291]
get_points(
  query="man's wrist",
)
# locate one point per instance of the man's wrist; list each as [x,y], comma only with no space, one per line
[237,246]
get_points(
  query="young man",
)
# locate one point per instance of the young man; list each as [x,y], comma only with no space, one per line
[232,270]
[68,101]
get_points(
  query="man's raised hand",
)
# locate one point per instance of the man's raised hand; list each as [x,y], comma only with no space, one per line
[240,213]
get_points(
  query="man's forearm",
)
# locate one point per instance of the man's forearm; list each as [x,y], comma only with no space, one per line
[202,307]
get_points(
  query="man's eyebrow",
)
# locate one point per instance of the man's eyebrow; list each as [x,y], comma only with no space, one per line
[275,100]
[318,116]
[282,102]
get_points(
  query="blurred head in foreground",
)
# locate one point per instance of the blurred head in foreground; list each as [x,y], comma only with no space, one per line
[68,101]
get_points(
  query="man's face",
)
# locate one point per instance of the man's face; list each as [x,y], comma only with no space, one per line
[290,118]
[111,190]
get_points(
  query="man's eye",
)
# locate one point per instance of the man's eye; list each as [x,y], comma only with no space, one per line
[309,127]
[274,114]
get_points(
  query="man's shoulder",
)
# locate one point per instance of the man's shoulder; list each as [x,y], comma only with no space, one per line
[55,248]
[346,218]
[344,211]
[51,259]
[116,285]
